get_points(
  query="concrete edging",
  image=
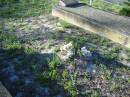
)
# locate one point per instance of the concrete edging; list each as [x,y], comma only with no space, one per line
[3,91]
[91,25]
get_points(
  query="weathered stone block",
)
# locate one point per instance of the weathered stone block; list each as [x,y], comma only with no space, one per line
[68,2]
[3,91]
[111,26]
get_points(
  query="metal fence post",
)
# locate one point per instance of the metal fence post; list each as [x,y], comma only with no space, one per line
[90,2]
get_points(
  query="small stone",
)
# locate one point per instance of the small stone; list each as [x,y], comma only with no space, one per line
[98,86]
[69,31]
[47,51]
[87,55]
[66,51]
[85,52]
[68,55]
[29,21]
[123,55]
[3,91]
[108,94]
[93,71]
[66,47]
[123,76]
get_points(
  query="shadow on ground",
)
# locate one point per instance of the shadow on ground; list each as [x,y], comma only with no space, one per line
[76,5]
[20,71]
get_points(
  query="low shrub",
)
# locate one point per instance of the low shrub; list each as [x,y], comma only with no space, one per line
[125,11]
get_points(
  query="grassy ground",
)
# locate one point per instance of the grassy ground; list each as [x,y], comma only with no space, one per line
[101,4]
[26,8]
[36,72]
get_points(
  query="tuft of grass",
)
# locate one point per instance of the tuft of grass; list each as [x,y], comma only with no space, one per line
[9,41]
[71,88]
[52,73]
[129,81]
[65,24]
[65,74]
[29,50]
[70,82]
[126,10]
[106,73]
[55,62]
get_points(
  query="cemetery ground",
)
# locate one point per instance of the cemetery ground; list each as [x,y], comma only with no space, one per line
[42,56]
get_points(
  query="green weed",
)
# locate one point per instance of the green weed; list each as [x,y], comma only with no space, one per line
[65,24]
[71,88]
[55,62]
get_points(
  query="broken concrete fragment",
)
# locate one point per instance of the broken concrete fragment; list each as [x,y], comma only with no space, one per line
[3,91]
[68,2]
[66,51]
